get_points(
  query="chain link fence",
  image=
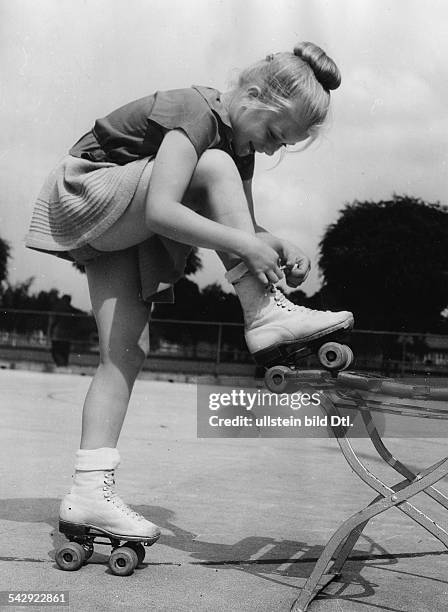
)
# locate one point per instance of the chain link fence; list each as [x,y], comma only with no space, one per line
[31,332]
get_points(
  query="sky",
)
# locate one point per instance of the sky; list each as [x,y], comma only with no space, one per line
[64,63]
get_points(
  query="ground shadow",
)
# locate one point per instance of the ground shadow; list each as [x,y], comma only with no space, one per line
[267,558]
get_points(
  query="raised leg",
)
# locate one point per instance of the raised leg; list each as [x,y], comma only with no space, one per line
[215,191]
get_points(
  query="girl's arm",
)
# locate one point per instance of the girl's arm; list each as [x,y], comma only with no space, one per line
[247,186]
[295,261]
[173,169]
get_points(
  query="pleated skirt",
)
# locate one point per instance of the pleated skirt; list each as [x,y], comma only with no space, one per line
[79,201]
[82,199]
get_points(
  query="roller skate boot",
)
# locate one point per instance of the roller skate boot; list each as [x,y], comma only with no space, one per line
[93,510]
[280,332]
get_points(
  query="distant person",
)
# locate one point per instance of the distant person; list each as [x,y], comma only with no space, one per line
[61,331]
[159,175]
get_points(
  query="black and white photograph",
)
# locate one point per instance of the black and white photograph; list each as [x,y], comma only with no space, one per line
[224,305]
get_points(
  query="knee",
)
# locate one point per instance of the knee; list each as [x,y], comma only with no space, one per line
[214,167]
[135,356]
[128,356]
[129,359]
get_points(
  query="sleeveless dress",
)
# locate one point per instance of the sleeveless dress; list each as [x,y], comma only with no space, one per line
[92,186]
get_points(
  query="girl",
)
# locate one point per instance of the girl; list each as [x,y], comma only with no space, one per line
[153,178]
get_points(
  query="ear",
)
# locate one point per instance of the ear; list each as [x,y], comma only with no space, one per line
[254,91]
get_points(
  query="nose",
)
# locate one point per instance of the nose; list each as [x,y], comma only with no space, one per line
[270,150]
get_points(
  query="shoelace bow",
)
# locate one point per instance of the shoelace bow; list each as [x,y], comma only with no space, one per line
[111,495]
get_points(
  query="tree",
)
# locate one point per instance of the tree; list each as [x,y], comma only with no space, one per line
[387,262]
[217,305]
[19,296]
[194,263]
[192,304]
[5,251]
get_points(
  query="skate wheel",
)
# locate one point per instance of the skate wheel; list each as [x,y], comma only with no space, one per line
[70,557]
[276,378]
[139,549]
[350,356]
[123,561]
[334,356]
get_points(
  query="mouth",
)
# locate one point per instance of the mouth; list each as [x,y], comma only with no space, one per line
[248,149]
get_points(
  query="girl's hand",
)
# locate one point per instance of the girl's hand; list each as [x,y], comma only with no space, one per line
[295,263]
[262,260]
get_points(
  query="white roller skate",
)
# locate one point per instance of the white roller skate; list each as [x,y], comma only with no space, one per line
[278,331]
[93,509]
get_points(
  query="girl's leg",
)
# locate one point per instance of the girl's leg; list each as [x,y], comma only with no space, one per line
[122,320]
[271,321]
[215,191]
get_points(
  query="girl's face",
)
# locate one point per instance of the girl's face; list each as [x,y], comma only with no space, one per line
[263,130]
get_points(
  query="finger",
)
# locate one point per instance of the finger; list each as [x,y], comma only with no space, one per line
[301,268]
[273,276]
[294,272]
[290,267]
[278,270]
[296,278]
[301,265]
[305,268]
[261,276]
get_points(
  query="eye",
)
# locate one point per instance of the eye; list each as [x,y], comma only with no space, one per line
[275,137]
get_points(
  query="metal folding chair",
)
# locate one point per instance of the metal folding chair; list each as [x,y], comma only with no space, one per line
[368,394]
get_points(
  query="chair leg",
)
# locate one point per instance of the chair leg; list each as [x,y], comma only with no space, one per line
[343,540]
[394,463]
[313,585]
[346,547]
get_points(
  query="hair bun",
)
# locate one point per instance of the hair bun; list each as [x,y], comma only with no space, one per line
[324,68]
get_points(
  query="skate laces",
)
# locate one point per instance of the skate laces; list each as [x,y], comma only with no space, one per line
[111,496]
[282,301]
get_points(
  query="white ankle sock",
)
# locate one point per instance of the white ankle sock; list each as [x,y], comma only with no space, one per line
[235,273]
[97,459]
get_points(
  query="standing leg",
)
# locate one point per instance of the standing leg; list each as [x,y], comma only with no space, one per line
[123,330]
[122,320]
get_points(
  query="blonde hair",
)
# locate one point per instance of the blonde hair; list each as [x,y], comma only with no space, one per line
[300,81]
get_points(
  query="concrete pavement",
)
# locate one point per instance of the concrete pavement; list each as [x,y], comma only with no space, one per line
[243,520]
